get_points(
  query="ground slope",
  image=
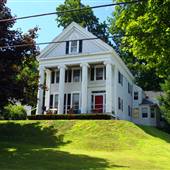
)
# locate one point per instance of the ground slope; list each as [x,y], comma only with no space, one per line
[82,145]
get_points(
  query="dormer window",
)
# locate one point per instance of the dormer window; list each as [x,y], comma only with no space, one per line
[74,47]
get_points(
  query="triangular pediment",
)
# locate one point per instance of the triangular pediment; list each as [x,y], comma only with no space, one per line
[74,32]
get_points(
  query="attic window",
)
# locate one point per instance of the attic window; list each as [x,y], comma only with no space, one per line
[74,47]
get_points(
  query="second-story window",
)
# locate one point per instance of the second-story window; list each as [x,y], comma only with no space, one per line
[120,78]
[130,88]
[99,73]
[55,76]
[74,47]
[136,95]
[76,75]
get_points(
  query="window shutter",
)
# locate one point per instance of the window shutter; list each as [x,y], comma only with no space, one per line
[51,101]
[80,46]
[67,47]
[66,76]
[92,74]
[52,77]
[65,103]
[69,75]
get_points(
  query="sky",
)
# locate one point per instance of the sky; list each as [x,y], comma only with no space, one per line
[47,24]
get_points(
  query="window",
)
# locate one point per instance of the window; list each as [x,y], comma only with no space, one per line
[135,95]
[75,102]
[76,75]
[120,78]
[73,47]
[129,88]
[55,77]
[129,110]
[73,75]
[135,113]
[152,112]
[120,103]
[68,101]
[56,101]
[99,73]
[144,112]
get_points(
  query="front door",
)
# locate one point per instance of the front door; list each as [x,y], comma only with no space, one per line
[99,104]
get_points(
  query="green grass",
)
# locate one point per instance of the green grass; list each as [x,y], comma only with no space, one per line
[82,145]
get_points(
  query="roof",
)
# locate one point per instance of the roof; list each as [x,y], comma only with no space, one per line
[63,37]
[147,102]
[153,94]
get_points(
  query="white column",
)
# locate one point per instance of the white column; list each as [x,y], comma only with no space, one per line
[40,90]
[115,90]
[61,89]
[84,85]
[48,86]
[109,87]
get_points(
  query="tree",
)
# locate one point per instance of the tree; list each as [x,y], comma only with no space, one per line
[165,100]
[12,58]
[85,18]
[144,30]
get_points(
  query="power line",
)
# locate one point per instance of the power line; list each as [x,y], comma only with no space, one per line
[52,42]
[58,42]
[67,11]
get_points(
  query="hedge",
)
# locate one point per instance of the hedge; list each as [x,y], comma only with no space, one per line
[70,117]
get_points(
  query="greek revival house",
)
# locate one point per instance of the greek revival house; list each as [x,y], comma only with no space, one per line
[83,74]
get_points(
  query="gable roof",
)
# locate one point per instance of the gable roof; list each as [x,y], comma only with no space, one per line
[63,36]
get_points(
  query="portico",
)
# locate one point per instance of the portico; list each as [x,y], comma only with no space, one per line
[68,87]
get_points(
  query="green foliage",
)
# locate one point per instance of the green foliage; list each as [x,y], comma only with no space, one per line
[82,145]
[165,100]
[13,60]
[14,112]
[144,30]
[70,117]
[85,18]
[28,79]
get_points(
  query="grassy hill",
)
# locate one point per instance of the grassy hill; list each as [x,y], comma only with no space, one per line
[82,145]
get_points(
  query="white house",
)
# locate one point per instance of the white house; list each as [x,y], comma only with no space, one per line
[83,74]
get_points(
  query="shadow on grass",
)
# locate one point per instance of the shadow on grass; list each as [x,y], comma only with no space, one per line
[155,132]
[31,147]
[32,134]
[50,160]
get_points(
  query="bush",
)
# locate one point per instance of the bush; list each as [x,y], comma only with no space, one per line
[14,112]
[70,117]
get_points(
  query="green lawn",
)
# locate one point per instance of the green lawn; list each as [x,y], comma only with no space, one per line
[82,145]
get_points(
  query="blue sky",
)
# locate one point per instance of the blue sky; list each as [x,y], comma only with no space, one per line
[48,24]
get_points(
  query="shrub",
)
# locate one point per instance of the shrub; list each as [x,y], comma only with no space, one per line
[14,112]
[70,117]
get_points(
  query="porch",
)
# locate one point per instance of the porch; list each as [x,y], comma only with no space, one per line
[76,88]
